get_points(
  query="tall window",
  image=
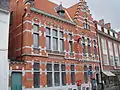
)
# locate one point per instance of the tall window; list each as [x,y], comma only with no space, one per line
[70,43]
[99,27]
[49,75]
[105,30]
[83,46]
[61,41]
[110,49]
[86,25]
[55,39]
[117,62]
[48,38]
[104,50]
[36,36]
[85,74]
[63,74]
[73,74]
[36,75]
[95,49]
[89,51]
[56,75]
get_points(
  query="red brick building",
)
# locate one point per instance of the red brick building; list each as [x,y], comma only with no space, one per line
[109,51]
[51,47]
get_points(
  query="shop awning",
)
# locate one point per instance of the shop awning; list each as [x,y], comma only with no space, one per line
[108,73]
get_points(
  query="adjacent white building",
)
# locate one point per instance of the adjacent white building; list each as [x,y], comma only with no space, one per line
[4,31]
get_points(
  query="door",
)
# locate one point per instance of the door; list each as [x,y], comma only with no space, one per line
[16,83]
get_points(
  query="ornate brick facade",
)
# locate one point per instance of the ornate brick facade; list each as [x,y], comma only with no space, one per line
[79,43]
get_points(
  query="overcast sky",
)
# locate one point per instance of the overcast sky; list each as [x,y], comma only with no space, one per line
[100,9]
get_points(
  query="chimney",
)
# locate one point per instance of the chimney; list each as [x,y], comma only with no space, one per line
[108,25]
[101,22]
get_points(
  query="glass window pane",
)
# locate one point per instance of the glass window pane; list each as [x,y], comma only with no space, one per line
[70,36]
[105,30]
[55,44]
[73,78]
[63,67]
[36,66]
[83,40]
[48,43]
[116,36]
[89,50]
[99,27]
[56,67]
[49,79]
[61,45]
[36,28]
[70,46]
[72,67]
[55,34]
[49,67]
[111,60]
[63,78]
[57,78]
[36,40]
[85,74]
[111,33]
[47,31]
[61,34]
[36,79]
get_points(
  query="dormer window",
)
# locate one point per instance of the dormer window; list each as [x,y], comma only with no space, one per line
[105,31]
[111,33]
[31,2]
[116,36]
[59,9]
[99,27]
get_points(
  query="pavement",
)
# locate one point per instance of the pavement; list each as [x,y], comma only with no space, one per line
[112,88]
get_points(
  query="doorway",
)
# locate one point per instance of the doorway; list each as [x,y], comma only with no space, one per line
[16,81]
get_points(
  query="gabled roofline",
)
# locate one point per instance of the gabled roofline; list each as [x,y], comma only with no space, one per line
[51,15]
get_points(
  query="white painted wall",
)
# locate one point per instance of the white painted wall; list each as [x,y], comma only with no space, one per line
[4,64]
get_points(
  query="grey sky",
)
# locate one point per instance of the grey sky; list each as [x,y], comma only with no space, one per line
[100,9]
[4,4]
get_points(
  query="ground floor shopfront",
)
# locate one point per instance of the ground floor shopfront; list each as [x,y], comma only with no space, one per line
[111,80]
[38,73]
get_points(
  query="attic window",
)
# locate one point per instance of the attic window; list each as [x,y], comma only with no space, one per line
[59,9]
[86,25]
[61,12]
[31,2]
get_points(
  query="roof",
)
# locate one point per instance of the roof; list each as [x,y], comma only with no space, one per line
[49,7]
[80,9]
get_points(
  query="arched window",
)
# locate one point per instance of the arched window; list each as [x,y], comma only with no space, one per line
[83,46]
[86,25]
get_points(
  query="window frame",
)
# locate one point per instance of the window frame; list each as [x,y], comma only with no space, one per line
[36,33]
[36,72]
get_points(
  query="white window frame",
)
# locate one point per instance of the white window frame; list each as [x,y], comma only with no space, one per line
[104,49]
[105,30]
[110,49]
[99,27]
[36,33]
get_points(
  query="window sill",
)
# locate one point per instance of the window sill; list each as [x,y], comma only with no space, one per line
[56,53]
[37,48]
[71,53]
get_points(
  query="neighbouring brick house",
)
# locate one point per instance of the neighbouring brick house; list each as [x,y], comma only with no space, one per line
[51,47]
[109,50]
